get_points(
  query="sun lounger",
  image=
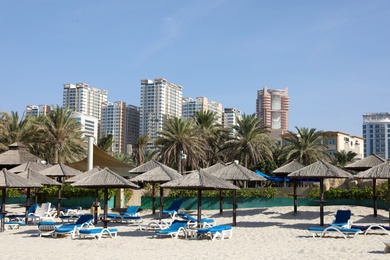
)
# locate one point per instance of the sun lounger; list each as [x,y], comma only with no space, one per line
[46,228]
[97,233]
[130,216]
[375,227]
[193,222]
[342,219]
[222,232]
[83,221]
[173,208]
[177,227]
[344,232]
[155,225]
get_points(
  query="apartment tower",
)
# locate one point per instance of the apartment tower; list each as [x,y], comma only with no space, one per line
[84,99]
[201,104]
[160,101]
[376,134]
[113,122]
[272,107]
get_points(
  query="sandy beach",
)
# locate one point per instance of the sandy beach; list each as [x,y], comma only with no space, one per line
[261,233]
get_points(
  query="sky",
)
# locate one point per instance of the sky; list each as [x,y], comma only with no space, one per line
[334,55]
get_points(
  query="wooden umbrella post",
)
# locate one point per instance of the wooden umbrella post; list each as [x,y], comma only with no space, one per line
[153,198]
[27,205]
[3,209]
[161,202]
[220,202]
[375,198]
[199,207]
[234,208]
[295,196]
[96,206]
[321,202]
[105,220]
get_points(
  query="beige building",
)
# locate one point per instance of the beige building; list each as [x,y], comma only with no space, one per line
[337,141]
[190,105]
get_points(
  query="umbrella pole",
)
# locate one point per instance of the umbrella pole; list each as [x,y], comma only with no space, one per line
[161,202]
[321,202]
[234,207]
[295,197]
[199,208]
[105,207]
[59,202]
[3,209]
[96,205]
[388,186]
[220,203]
[27,204]
[374,197]
[153,198]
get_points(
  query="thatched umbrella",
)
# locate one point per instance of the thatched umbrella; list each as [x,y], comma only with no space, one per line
[159,174]
[201,180]
[381,171]
[83,175]
[235,172]
[286,170]
[145,167]
[321,170]
[61,172]
[215,167]
[17,155]
[35,166]
[104,179]
[37,177]
[363,165]
[11,180]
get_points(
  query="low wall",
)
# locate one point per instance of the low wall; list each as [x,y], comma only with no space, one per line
[213,203]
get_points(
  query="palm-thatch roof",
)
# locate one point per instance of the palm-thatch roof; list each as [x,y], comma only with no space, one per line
[381,171]
[365,163]
[145,167]
[200,180]
[37,177]
[216,167]
[35,166]
[83,175]
[11,180]
[236,172]
[60,170]
[16,155]
[320,169]
[159,174]
[288,168]
[104,179]
[103,160]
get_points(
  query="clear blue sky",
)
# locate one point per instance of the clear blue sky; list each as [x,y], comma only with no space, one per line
[333,55]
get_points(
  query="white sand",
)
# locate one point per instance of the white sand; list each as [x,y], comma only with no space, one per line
[268,233]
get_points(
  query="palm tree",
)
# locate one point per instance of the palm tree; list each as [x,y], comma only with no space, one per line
[105,143]
[251,142]
[181,136]
[139,149]
[213,133]
[12,129]
[343,158]
[60,134]
[306,146]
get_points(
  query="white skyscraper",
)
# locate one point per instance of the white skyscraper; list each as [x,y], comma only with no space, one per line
[113,123]
[376,134]
[201,104]
[160,101]
[84,99]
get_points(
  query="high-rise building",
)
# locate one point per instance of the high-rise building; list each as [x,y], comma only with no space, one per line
[89,124]
[83,99]
[160,101]
[40,110]
[113,122]
[376,134]
[230,116]
[132,126]
[201,104]
[272,107]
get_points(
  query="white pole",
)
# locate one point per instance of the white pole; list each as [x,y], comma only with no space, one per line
[90,152]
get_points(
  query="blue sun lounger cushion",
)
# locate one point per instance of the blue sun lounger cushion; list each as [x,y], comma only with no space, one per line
[221,231]
[177,227]
[192,222]
[97,233]
[344,232]
[374,227]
